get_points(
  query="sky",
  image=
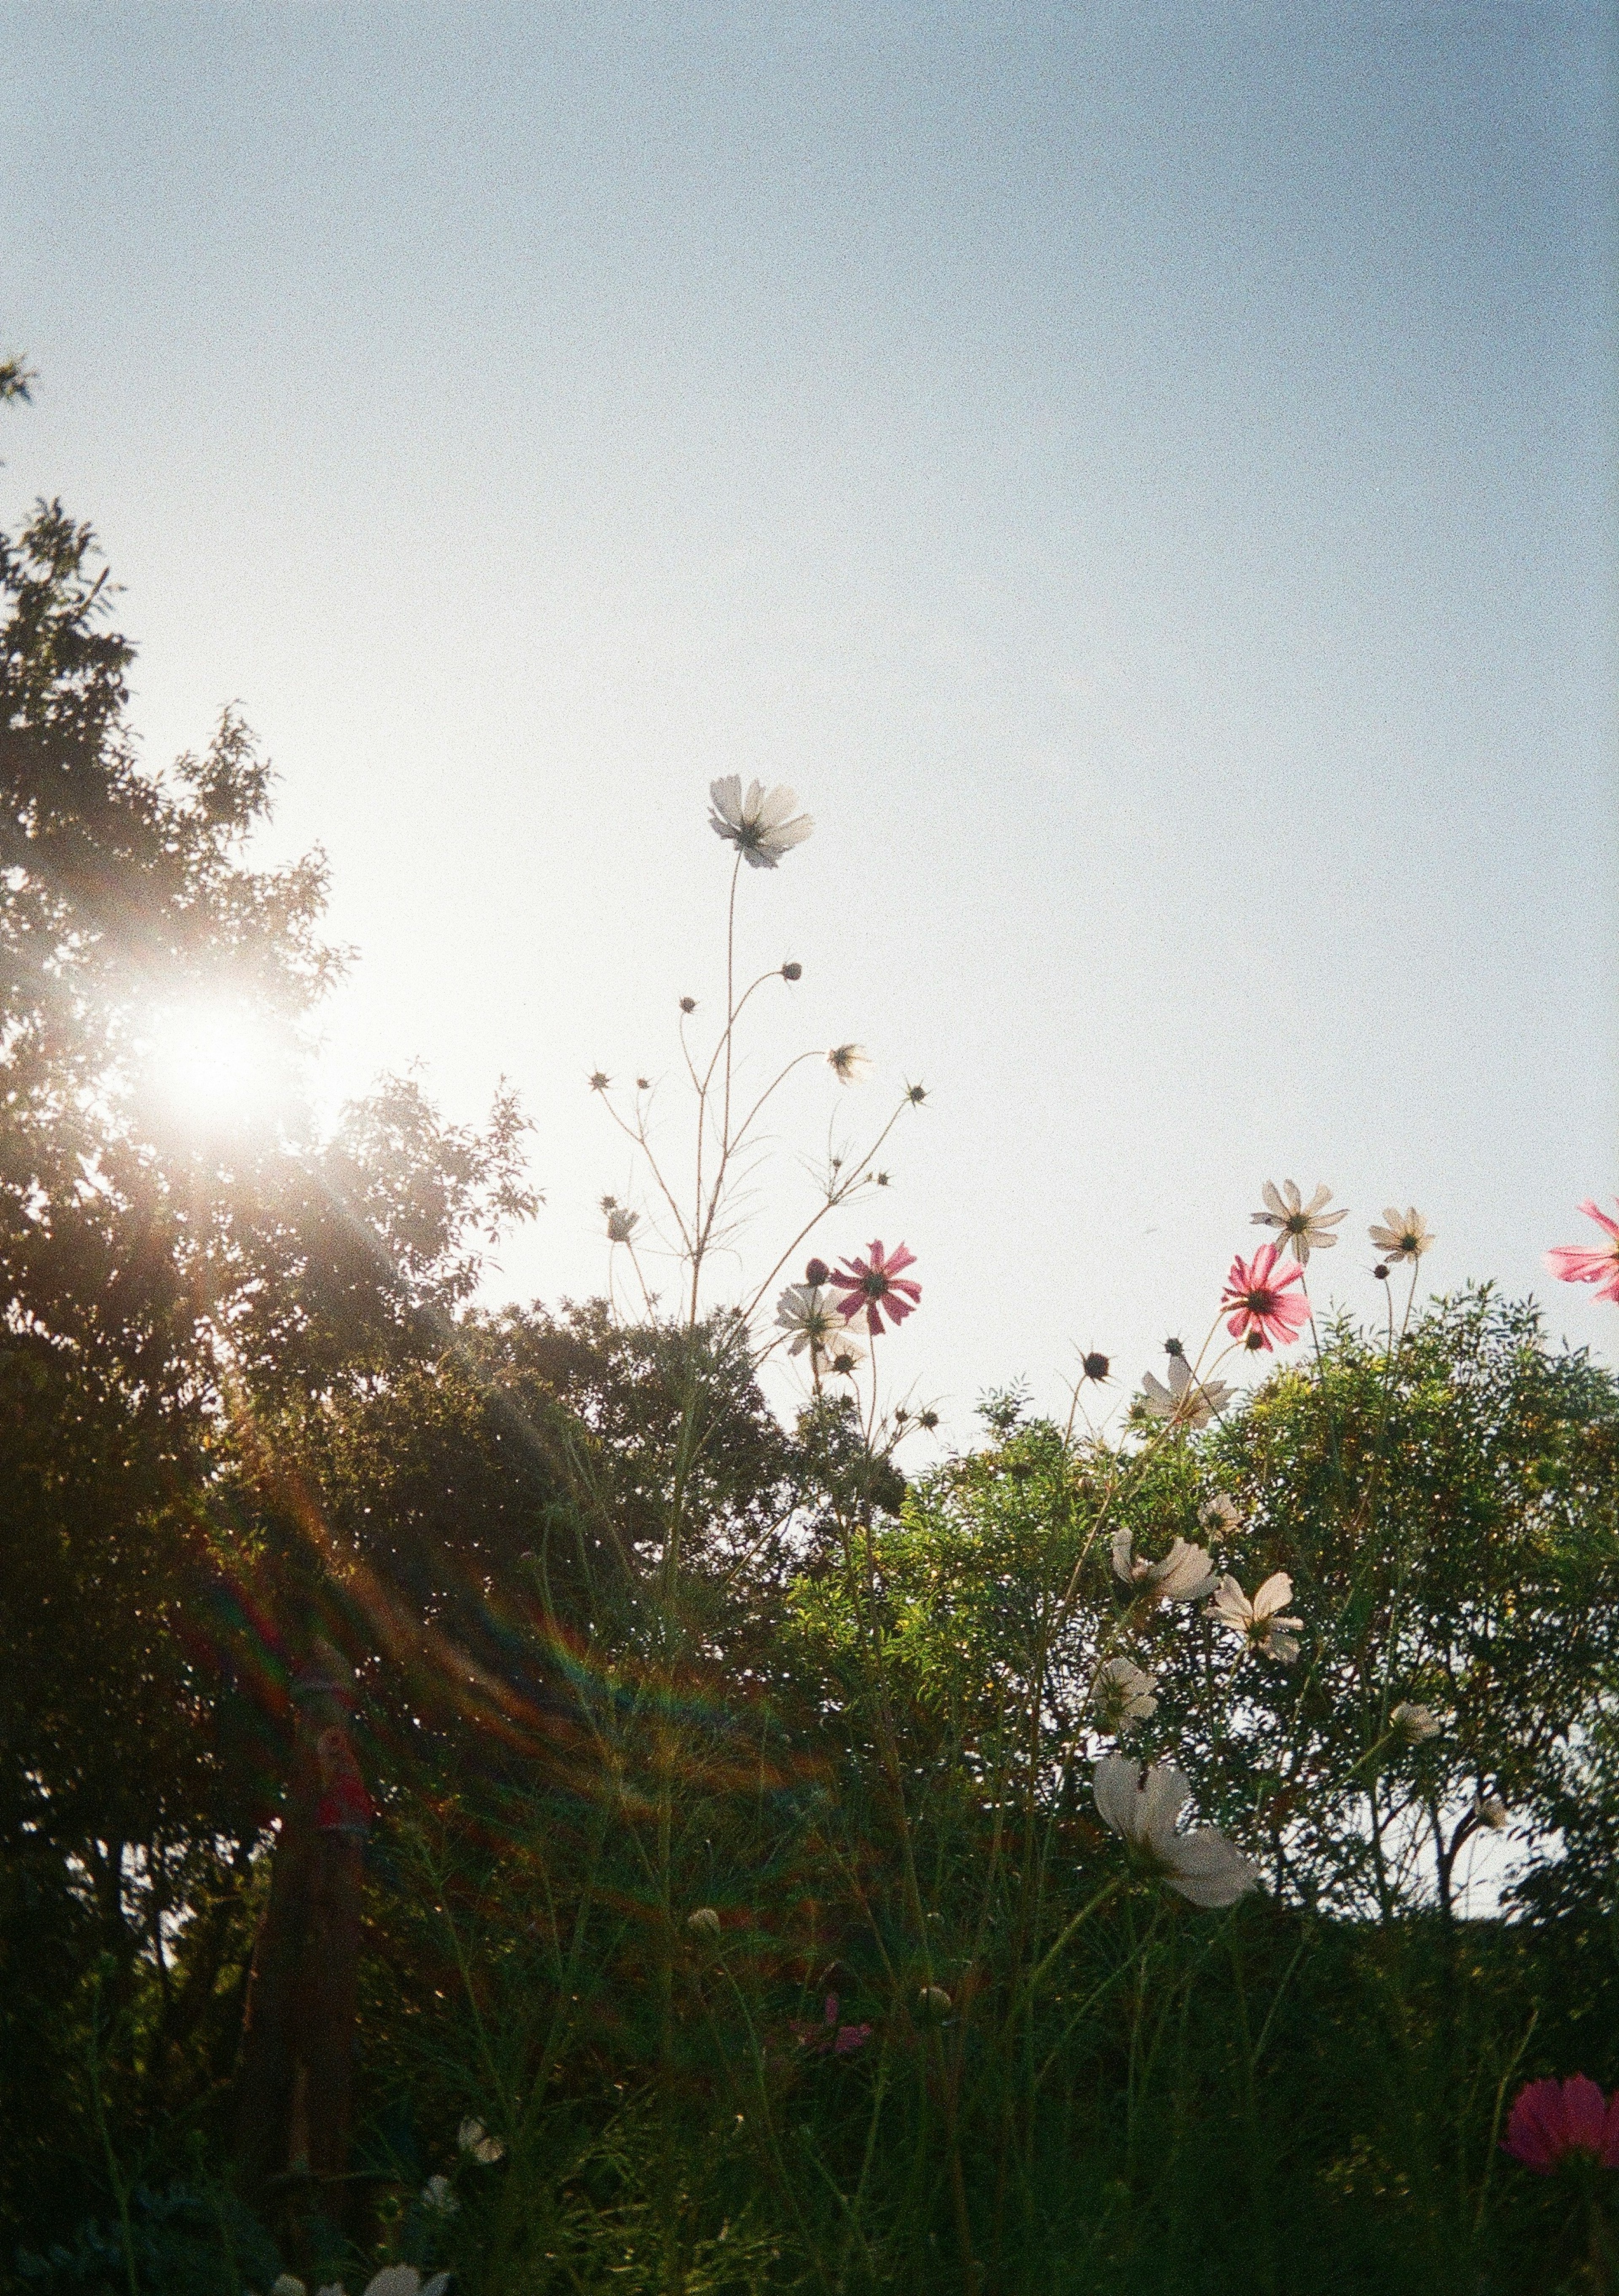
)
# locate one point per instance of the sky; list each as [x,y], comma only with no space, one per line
[1145,475]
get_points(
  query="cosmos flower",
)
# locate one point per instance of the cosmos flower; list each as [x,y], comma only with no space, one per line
[621,1224]
[1184,1402]
[842,2039]
[704,1921]
[1185,1575]
[438,2197]
[849,1062]
[1221,1514]
[1305,1227]
[401,2280]
[1576,1263]
[1258,1621]
[1262,1298]
[1406,1236]
[1551,2121]
[763,826]
[871,1284]
[935,1997]
[815,1317]
[473,2137]
[1202,1864]
[1122,1694]
[1413,1723]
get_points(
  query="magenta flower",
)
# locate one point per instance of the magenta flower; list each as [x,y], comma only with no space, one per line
[870,1285]
[1260,1293]
[1551,2121]
[1575,1265]
[843,2040]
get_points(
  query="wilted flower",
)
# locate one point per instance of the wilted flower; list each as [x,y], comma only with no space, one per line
[1185,1575]
[1406,1235]
[1491,1811]
[438,2196]
[1122,1694]
[1221,1514]
[1576,1264]
[473,2137]
[763,826]
[1258,1621]
[1413,1723]
[620,1223]
[705,1921]
[1305,1226]
[871,1284]
[815,1317]
[849,1062]
[1551,2119]
[1184,1402]
[1202,1864]
[1265,1310]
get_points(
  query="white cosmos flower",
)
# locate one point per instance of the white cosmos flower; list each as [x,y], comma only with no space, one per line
[473,2137]
[438,2195]
[1185,1575]
[814,1316]
[850,1063]
[288,2284]
[1415,1723]
[763,826]
[1184,1402]
[1406,1236]
[1122,1694]
[404,2280]
[1258,1621]
[1202,1864]
[1305,1227]
[1221,1514]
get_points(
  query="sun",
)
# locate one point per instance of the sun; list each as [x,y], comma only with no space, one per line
[212,1066]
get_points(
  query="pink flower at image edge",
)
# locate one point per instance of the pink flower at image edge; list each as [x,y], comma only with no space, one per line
[1576,1263]
[1551,2119]
[1263,1299]
[875,1283]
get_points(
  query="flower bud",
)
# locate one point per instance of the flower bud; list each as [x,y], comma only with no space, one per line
[1096,1366]
[1173,1348]
[817,1272]
[704,1921]
[688,1003]
[793,972]
[1380,1272]
[935,1997]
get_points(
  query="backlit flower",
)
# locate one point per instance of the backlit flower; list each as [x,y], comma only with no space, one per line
[473,2137]
[1185,1402]
[621,1224]
[1122,1694]
[1491,1811]
[1575,1264]
[849,1062]
[815,1317]
[1413,1723]
[1305,1227]
[1551,2119]
[870,1286]
[1221,1514]
[1260,1621]
[1185,1575]
[1266,1308]
[763,826]
[1202,1863]
[1406,1236]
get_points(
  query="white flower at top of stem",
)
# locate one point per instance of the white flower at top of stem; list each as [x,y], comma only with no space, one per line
[1185,1575]
[1185,1402]
[850,1063]
[1406,1236]
[1122,1694]
[763,826]
[1202,1864]
[814,1317]
[1413,1723]
[473,2137]
[1258,1621]
[1305,1227]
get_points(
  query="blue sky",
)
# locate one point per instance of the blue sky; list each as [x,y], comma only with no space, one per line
[1145,475]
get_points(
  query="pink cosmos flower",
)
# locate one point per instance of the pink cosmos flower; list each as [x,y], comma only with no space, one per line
[1575,1265]
[1550,2120]
[843,2040]
[1259,1292]
[871,1284]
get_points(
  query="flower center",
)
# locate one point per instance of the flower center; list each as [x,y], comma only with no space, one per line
[874,1285]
